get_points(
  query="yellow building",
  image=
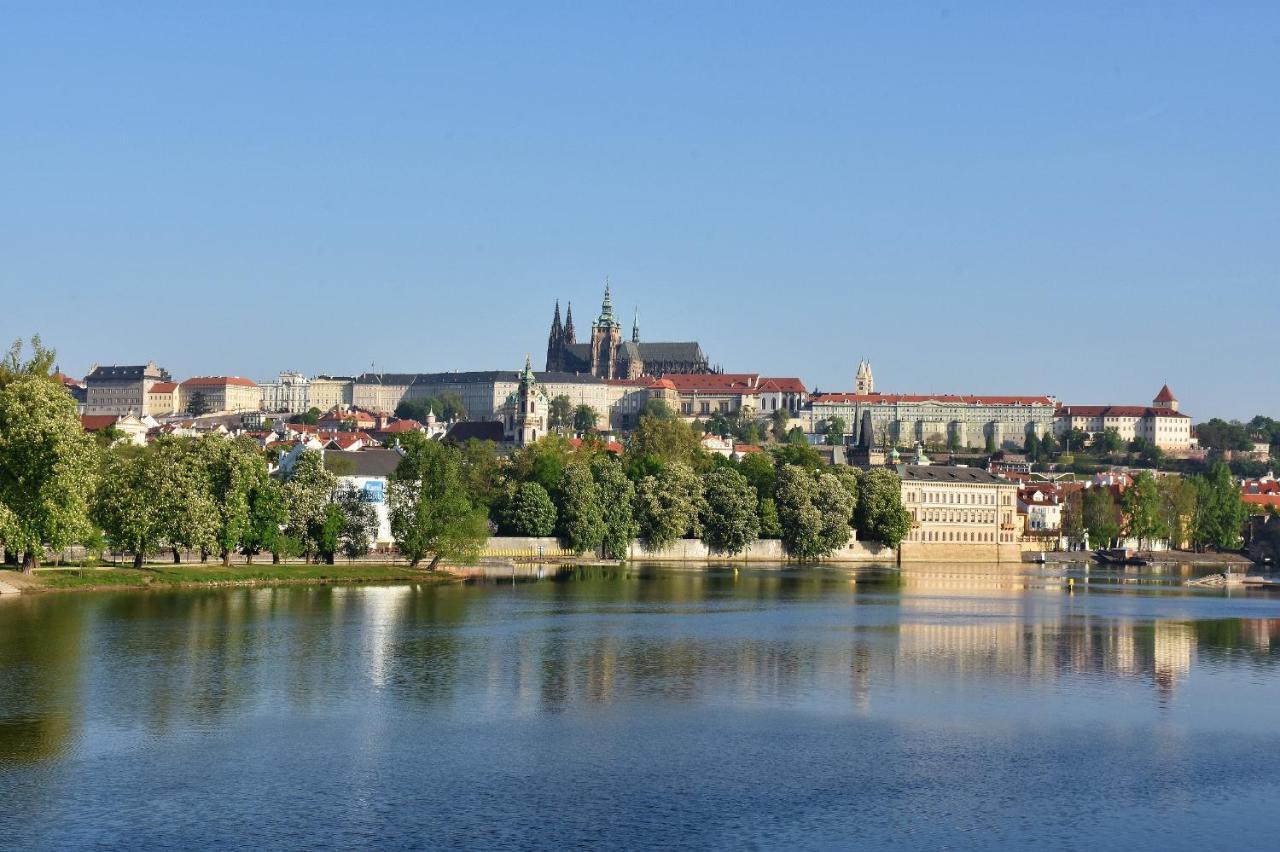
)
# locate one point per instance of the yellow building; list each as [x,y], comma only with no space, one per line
[219,393]
[959,514]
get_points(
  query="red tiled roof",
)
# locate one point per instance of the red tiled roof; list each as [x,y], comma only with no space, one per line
[1116,411]
[1165,395]
[403,426]
[218,381]
[96,422]
[953,399]
[163,387]
[1262,499]
[783,385]
[739,383]
[747,448]
[609,446]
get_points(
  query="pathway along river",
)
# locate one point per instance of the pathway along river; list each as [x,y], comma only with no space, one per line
[645,707]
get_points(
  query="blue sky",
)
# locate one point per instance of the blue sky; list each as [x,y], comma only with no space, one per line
[1072,199]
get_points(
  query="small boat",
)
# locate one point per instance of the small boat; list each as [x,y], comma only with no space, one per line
[1119,556]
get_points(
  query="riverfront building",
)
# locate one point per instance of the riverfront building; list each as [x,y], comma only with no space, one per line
[959,514]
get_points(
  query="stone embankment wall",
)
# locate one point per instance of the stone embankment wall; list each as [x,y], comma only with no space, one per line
[685,550]
[946,551]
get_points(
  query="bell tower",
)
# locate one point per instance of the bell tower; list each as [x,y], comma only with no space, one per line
[606,337]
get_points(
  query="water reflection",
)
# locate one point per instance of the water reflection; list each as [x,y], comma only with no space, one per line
[95,673]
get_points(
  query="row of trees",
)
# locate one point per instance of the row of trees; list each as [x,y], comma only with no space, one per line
[1204,511]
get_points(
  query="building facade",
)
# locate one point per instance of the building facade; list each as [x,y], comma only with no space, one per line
[1160,423]
[121,390]
[959,513]
[289,393]
[219,393]
[877,419]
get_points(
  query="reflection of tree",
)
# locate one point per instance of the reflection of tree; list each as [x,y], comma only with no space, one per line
[41,646]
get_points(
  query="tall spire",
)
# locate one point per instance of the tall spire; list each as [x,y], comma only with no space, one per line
[606,309]
[569,335]
[635,327]
[555,343]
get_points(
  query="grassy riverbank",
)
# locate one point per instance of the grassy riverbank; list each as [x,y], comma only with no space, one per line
[185,576]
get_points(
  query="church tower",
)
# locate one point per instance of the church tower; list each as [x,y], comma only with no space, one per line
[555,343]
[635,327]
[570,336]
[864,383]
[606,338]
[1165,400]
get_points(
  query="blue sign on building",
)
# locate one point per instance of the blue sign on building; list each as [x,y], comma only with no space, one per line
[374,491]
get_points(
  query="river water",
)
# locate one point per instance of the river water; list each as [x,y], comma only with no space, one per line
[961,707]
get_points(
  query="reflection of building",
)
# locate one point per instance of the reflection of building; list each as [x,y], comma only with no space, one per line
[959,513]
[607,356]
[1160,423]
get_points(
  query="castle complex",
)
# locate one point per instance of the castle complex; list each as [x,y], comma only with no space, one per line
[608,356]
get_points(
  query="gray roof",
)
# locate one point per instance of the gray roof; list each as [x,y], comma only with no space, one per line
[473,377]
[482,430]
[371,462]
[116,373]
[942,473]
[689,352]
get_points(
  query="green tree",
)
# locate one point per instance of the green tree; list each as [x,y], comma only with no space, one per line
[432,514]
[880,515]
[329,535]
[197,404]
[16,365]
[1109,441]
[585,418]
[617,501]
[1178,507]
[186,511]
[657,409]
[560,413]
[668,505]
[530,511]
[124,508]
[800,455]
[581,517]
[798,515]
[232,469]
[1073,515]
[307,492]
[267,517]
[760,472]
[1101,516]
[770,526]
[730,519]
[1220,513]
[310,418]
[1140,503]
[542,462]
[48,465]
[778,424]
[481,471]
[836,427]
[990,445]
[452,406]
[835,504]
[797,437]
[359,521]
[667,441]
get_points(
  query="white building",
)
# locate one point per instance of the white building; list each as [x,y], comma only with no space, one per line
[1160,423]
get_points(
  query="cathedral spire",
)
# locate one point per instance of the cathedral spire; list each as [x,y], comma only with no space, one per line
[555,343]
[606,309]
[570,336]
[635,327]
